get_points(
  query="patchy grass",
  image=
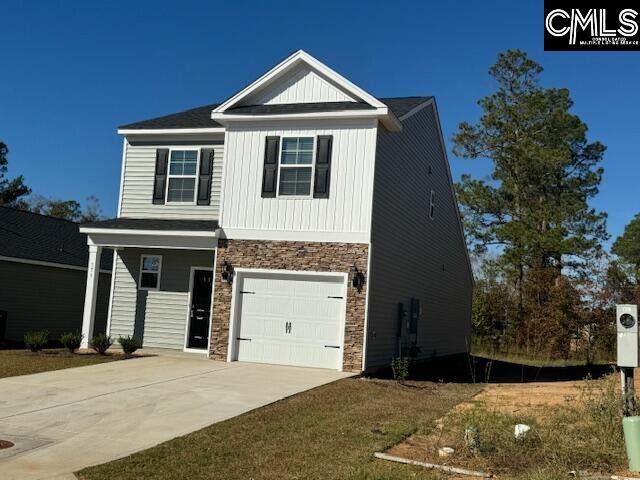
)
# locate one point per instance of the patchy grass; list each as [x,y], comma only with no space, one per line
[24,362]
[530,361]
[329,432]
[583,434]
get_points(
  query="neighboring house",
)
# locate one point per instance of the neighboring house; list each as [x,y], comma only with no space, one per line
[43,271]
[302,221]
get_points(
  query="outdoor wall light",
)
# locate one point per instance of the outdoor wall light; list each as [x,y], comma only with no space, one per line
[357,278]
[227,273]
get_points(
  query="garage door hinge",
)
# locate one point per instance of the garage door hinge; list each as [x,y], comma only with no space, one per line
[249,293]
[335,297]
[331,346]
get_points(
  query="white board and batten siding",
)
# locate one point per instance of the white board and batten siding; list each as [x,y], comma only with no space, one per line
[344,216]
[300,85]
[137,185]
[412,254]
[158,316]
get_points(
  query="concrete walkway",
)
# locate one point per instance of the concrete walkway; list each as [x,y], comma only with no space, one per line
[66,420]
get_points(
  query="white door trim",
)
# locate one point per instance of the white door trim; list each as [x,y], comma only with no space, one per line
[186,326]
[232,349]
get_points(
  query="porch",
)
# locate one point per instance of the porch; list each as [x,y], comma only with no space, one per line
[162,281]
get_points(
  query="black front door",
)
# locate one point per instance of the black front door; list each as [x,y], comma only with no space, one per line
[200,309]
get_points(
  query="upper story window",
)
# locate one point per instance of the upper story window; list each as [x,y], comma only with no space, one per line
[432,205]
[181,184]
[296,166]
[150,267]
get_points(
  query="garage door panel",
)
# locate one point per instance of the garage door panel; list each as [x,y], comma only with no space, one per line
[291,319]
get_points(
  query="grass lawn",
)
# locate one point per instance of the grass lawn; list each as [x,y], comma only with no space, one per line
[24,362]
[330,432]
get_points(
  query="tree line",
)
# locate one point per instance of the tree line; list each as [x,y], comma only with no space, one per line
[16,194]
[545,285]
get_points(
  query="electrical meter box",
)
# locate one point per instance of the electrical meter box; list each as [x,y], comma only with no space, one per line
[627,329]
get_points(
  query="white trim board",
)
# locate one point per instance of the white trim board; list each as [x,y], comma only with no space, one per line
[159,233]
[289,235]
[47,264]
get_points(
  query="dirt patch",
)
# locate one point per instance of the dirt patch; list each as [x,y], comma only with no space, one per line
[5,444]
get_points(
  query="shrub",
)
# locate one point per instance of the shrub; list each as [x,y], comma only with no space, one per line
[71,340]
[101,343]
[129,344]
[35,340]
[400,369]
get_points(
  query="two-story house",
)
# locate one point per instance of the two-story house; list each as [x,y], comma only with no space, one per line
[302,221]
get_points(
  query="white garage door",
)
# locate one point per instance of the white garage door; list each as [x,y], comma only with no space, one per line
[290,319]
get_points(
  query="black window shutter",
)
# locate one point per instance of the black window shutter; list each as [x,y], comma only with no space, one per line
[160,180]
[323,166]
[204,176]
[270,168]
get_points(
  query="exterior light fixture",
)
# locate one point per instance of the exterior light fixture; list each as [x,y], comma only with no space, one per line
[227,273]
[357,278]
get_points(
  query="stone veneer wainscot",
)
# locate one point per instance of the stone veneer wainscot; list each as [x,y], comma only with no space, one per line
[287,255]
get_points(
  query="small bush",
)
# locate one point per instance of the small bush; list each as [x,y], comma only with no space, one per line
[71,340]
[101,343]
[400,369]
[35,340]
[129,344]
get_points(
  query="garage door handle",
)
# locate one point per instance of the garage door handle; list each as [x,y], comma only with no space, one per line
[331,346]
[248,293]
[335,297]
[244,339]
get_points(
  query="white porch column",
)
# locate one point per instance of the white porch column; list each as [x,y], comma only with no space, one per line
[89,314]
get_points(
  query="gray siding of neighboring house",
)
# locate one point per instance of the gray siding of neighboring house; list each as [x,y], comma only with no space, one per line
[413,255]
[158,317]
[137,186]
[47,298]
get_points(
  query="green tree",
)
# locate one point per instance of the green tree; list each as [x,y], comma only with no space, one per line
[67,209]
[627,245]
[534,206]
[11,190]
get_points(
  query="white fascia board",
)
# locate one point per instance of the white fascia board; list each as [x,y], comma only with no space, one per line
[165,131]
[300,56]
[160,233]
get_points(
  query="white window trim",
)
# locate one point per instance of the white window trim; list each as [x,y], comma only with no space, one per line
[312,165]
[195,176]
[432,205]
[141,271]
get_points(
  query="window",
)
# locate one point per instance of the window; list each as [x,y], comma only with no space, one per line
[183,168]
[432,205]
[150,266]
[296,166]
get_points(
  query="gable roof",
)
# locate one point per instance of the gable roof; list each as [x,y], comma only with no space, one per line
[297,58]
[31,236]
[200,117]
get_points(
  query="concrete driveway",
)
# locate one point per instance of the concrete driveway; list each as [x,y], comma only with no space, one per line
[66,420]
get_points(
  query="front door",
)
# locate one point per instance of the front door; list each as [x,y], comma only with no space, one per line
[200,311]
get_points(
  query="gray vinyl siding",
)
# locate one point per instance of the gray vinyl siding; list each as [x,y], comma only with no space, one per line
[48,298]
[158,317]
[137,187]
[413,255]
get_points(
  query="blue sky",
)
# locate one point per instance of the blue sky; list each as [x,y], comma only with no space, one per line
[73,71]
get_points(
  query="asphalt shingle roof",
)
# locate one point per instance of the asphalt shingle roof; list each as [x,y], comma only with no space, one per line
[124,223]
[32,236]
[200,117]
